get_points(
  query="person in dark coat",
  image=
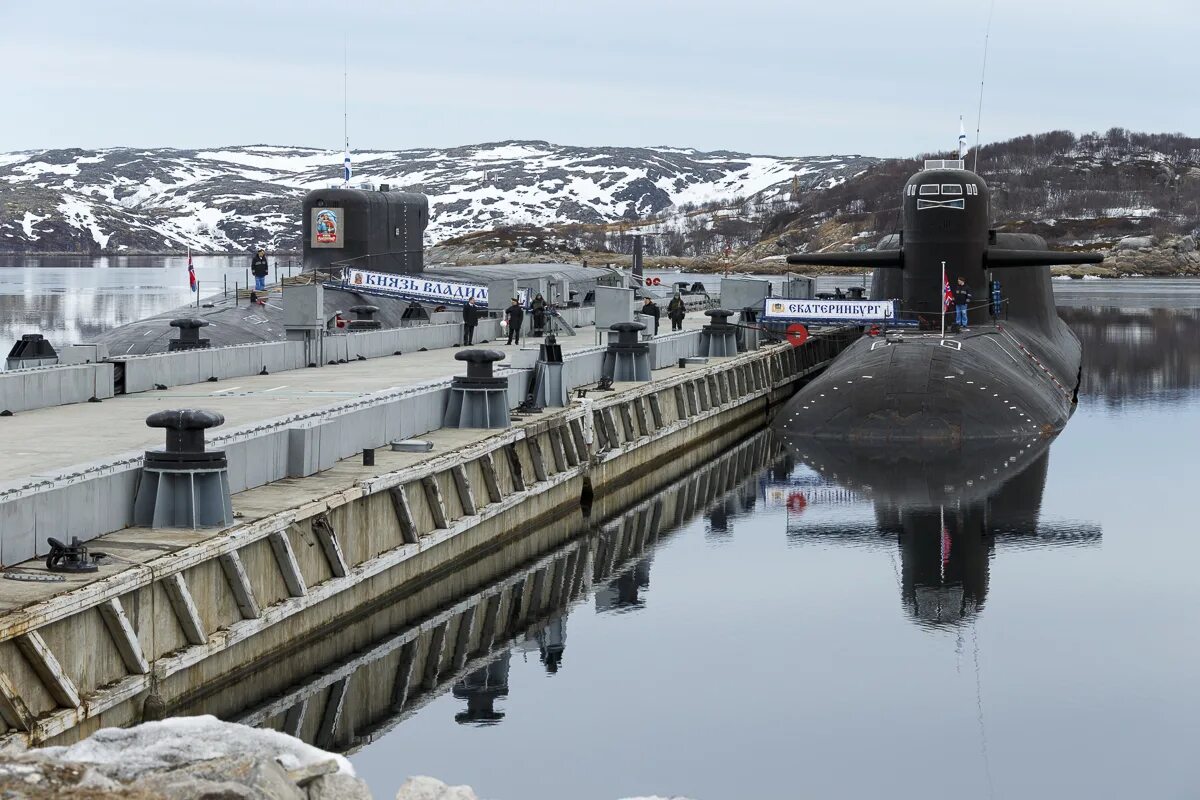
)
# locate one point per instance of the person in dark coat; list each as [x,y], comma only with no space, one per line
[962,298]
[470,314]
[676,310]
[259,269]
[538,307]
[650,309]
[516,318]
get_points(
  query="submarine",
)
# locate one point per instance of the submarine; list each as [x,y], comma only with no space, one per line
[379,232]
[946,511]
[1013,370]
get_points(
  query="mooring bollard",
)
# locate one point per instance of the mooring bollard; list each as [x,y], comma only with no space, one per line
[627,359]
[549,389]
[748,330]
[364,319]
[479,399]
[184,486]
[31,351]
[718,338]
[189,334]
[414,314]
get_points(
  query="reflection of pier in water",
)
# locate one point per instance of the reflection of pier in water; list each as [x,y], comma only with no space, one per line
[946,514]
[465,647]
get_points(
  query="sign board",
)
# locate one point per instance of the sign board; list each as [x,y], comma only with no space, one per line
[328,227]
[775,308]
[416,287]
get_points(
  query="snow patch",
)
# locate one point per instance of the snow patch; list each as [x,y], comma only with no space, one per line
[28,222]
[78,214]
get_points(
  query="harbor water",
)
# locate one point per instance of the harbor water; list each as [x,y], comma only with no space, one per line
[795,630]
[781,643]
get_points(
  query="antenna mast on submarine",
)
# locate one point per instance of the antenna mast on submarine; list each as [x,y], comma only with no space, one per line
[987,35]
[346,171]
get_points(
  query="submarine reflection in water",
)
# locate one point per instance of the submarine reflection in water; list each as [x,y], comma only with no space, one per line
[946,511]
[353,694]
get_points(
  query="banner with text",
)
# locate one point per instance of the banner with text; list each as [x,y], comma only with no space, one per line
[776,308]
[416,287]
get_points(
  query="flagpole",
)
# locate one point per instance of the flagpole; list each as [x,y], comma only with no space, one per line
[943,294]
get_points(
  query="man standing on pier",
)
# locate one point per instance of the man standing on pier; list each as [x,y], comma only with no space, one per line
[516,317]
[676,310]
[538,307]
[470,314]
[650,309]
[258,268]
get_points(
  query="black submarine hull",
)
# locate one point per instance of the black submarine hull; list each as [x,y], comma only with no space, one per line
[994,382]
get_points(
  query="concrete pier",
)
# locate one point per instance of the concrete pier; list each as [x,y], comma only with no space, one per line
[318,536]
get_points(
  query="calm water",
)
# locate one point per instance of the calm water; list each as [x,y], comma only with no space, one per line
[806,638]
[72,299]
[802,635]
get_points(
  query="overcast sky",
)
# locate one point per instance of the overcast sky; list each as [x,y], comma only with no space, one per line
[877,77]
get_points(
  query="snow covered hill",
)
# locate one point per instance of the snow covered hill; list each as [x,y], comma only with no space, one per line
[127,200]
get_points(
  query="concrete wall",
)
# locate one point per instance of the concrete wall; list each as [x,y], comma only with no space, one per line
[93,499]
[40,387]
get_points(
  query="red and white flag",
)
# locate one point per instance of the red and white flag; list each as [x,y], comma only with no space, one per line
[191,271]
[947,294]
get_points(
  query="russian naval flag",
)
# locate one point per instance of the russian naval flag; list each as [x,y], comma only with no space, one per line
[346,171]
[962,140]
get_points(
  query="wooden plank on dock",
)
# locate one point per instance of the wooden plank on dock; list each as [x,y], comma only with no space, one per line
[557,449]
[463,485]
[514,463]
[538,458]
[285,556]
[12,708]
[123,636]
[48,668]
[404,515]
[327,536]
[185,608]
[490,480]
[656,415]
[437,505]
[239,584]
[641,417]
[581,444]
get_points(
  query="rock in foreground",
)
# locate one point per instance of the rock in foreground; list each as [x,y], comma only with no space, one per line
[187,757]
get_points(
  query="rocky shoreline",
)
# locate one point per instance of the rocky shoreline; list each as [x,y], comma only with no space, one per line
[1130,257]
[195,758]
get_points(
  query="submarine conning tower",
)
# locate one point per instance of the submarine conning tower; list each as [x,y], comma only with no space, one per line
[946,221]
[379,230]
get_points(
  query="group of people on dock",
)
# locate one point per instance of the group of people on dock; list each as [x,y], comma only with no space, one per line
[514,317]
